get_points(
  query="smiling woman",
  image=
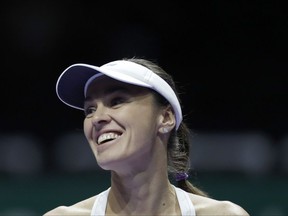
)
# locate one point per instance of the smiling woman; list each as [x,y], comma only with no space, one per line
[134,126]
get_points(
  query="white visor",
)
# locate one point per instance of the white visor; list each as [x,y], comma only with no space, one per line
[72,84]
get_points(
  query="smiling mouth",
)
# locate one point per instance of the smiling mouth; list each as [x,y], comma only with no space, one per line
[106,137]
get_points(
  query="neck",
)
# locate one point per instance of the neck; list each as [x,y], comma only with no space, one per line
[139,195]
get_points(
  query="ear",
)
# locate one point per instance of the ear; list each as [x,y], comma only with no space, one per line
[167,120]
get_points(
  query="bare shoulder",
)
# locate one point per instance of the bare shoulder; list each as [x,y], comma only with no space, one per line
[208,206]
[83,207]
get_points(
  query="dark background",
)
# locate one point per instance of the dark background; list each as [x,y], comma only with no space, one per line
[229,59]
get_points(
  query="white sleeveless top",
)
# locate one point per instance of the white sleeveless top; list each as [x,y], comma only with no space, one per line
[186,206]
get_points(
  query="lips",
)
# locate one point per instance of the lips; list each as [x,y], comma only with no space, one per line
[105,137]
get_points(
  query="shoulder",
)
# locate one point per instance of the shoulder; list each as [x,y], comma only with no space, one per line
[83,207]
[208,206]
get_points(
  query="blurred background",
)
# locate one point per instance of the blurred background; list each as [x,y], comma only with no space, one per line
[229,59]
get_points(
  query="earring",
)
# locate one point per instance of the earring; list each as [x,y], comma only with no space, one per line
[165,130]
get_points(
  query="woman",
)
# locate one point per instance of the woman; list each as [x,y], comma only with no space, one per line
[133,123]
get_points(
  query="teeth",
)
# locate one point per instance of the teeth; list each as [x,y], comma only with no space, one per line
[106,137]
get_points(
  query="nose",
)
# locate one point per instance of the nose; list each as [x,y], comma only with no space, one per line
[100,118]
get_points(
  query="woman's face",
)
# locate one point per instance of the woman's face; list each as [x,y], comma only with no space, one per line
[121,123]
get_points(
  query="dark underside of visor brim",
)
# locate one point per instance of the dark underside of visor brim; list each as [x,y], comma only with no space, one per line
[71,85]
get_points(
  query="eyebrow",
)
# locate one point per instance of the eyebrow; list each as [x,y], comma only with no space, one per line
[110,91]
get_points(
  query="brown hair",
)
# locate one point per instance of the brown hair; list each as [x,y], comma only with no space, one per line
[179,141]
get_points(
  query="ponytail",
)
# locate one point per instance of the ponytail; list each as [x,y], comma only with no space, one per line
[179,160]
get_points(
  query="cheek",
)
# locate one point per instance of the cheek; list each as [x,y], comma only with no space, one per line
[147,119]
[87,129]
[144,124]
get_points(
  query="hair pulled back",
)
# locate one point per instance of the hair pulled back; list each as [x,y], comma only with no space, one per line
[179,142]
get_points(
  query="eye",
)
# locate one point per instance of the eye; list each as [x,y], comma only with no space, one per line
[117,101]
[88,112]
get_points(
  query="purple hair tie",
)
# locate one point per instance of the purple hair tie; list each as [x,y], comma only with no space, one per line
[181,176]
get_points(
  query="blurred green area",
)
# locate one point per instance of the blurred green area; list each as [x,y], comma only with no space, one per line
[37,194]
